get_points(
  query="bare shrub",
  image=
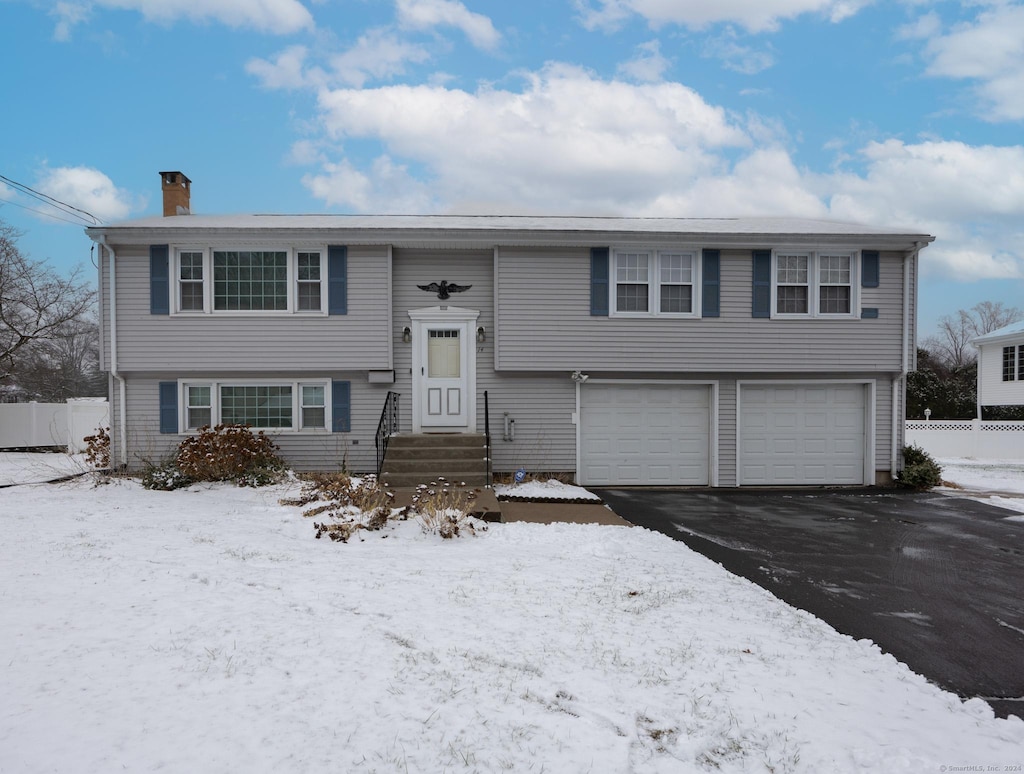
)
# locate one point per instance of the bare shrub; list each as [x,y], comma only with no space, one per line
[443,509]
[97,448]
[230,453]
[349,505]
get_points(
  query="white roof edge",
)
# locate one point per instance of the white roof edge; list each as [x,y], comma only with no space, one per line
[757,226]
[1011,331]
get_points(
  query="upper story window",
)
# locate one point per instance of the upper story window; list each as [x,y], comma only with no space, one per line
[309,281]
[654,282]
[249,281]
[190,282]
[812,284]
[1013,363]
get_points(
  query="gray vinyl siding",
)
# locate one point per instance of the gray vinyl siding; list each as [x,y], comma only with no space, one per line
[235,342]
[303,451]
[727,432]
[545,323]
[541,404]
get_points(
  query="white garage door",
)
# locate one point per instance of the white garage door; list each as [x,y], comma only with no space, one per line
[802,434]
[645,434]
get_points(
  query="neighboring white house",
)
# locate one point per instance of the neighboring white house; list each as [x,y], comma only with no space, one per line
[669,351]
[1001,367]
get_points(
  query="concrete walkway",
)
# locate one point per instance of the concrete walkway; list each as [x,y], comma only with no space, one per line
[485,505]
[567,512]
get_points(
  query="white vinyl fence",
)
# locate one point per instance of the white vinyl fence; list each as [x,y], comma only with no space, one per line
[973,438]
[30,425]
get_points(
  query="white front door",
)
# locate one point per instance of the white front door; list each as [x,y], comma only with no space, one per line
[443,390]
[444,368]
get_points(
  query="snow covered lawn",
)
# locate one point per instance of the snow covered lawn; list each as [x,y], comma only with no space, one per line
[996,482]
[206,630]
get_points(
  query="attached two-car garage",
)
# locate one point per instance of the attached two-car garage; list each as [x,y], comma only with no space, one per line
[663,434]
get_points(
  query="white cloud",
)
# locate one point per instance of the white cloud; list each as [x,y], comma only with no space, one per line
[990,51]
[648,65]
[742,59]
[377,55]
[88,189]
[343,185]
[68,15]
[753,15]
[927,26]
[427,14]
[567,142]
[970,197]
[274,16]
[286,71]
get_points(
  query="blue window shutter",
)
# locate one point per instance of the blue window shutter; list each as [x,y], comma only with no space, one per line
[341,407]
[599,272]
[761,302]
[168,407]
[159,280]
[711,281]
[869,268]
[337,279]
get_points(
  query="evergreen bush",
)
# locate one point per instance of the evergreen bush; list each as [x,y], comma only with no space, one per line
[920,471]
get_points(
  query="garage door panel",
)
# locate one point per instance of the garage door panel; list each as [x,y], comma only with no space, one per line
[802,434]
[645,434]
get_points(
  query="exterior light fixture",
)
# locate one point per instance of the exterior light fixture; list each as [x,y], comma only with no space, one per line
[481,335]
[927,414]
[406,334]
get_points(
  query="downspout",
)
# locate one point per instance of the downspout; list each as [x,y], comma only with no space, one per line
[122,432]
[900,381]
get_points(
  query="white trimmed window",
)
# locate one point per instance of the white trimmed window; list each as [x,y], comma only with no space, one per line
[190,282]
[654,282]
[313,405]
[1013,364]
[246,281]
[814,284]
[280,406]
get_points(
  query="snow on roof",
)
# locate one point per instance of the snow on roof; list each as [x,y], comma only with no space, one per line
[1007,331]
[518,223]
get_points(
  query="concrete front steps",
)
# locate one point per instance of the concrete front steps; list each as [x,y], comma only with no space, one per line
[419,458]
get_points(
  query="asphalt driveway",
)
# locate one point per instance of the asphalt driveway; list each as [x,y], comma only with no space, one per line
[936,581]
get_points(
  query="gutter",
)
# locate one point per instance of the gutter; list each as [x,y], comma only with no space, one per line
[899,382]
[122,431]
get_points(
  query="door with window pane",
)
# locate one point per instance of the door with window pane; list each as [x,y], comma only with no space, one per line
[443,393]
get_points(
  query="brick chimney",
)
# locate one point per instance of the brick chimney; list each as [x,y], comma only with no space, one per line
[176,193]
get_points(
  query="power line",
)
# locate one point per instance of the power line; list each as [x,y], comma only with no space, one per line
[64,207]
[44,214]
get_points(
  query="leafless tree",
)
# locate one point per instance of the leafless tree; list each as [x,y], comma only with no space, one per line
[63,367]
[36,303]
[952,344]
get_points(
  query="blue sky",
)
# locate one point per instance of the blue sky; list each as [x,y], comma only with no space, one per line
[900,113]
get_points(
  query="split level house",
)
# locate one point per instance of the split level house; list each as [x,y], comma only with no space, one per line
[624,351]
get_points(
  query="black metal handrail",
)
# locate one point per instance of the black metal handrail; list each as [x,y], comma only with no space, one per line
[387,427]
[487,440]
